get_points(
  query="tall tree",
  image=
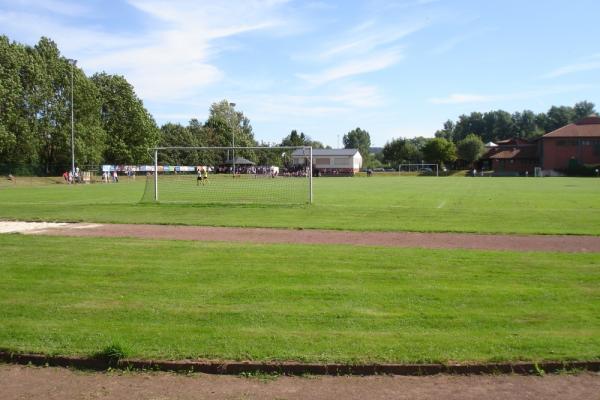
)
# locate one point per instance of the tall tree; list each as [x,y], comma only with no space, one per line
[583,109]
[470,148]
[358,139]
[400,151]
[439,151]
[130,129]
[295,139]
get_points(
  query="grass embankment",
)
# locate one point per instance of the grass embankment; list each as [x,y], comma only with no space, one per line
[489,205]
[175,300]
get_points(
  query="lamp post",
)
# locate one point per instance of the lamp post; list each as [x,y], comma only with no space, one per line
[232,105]
[72,62]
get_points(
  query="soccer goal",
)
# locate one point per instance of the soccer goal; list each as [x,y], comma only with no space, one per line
[260,175]
[419,169]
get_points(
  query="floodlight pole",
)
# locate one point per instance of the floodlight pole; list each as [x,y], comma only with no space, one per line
[233,142]
[72,62]
[155,175]
[310,175]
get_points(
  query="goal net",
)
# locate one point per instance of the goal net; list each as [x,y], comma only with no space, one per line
[418,169]
[260,175]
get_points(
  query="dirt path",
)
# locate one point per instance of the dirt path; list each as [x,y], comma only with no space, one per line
[262,235]
[19,382]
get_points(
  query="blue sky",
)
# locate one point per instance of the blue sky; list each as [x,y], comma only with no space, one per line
[395,68]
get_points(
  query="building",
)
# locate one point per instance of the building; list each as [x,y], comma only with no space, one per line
[330,162]
[511,157]
[572,145]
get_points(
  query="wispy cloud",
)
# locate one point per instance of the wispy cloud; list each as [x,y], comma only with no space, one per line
[589,64]
[473,98]
[173,60]
[375,62]
[367,47]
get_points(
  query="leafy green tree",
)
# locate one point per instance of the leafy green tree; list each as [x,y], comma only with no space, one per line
[400,151]
[361,140]
[176,135]
[470,148]
[130,129]
[439,151]
[583,109]
[447,132]
[295,139]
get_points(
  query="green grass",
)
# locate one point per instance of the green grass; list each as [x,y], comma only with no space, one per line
[450,204]
[175,300]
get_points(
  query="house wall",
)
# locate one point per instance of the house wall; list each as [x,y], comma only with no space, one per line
[557,152]
[518,165]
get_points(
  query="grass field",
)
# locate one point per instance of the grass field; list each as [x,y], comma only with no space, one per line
[448,204]
[176,300]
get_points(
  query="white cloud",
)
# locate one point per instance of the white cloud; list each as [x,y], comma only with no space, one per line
[573,68]
[173,60]
[471,98]
[352,67]
[461,98]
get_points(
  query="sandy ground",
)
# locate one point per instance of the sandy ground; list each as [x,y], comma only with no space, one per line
[310,236]
[21,382]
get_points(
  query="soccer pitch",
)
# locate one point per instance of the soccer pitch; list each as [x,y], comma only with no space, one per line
[188,300]
[483,205]
[309,303]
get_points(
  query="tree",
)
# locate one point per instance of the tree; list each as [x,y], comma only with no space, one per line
[176,135]
[583,109]
[358,139]
[400,151]
[225,122]
[470,148]
[439,151]
[130,129]
[295,139]
[558,117]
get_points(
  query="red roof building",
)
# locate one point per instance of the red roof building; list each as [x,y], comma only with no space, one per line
[512,157]
[574,143]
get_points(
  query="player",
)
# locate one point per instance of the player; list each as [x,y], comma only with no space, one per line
[205,176]
[199,176]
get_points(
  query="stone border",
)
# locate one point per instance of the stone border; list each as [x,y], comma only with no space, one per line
[294,368]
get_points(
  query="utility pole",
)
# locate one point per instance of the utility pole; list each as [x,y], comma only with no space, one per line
[73,63]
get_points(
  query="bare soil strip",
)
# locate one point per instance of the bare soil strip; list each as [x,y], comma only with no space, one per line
[19,382]
[222,367]
[309,236]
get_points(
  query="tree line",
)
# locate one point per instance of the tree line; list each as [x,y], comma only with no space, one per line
[112,125]
[464,139]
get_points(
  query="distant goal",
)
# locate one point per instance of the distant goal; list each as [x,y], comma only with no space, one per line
[228,175]
[419,169]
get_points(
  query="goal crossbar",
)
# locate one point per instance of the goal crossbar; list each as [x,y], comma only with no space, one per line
[307,150]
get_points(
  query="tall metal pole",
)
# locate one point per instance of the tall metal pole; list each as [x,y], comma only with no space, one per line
[155,175]
[232,105]
[72,62]
[310,174]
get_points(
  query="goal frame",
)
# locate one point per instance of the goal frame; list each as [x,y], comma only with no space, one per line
[234,148]
[421,165]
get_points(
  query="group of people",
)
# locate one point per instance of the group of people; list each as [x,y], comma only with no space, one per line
[110,176]
[71,177]
[201,176]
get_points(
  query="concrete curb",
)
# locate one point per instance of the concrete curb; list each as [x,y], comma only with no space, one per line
[293,368]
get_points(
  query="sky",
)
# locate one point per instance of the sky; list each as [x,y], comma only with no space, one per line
[394,68]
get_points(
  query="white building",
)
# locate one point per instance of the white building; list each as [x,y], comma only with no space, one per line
[331,161]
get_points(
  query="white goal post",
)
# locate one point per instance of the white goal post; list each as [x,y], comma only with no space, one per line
[229,174]
[419,168]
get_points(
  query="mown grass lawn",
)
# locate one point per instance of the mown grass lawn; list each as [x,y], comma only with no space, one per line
[175,300]
[448,204]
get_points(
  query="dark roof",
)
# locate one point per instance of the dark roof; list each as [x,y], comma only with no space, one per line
[587,127]
[513,153]
[512,141]
[326,152]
